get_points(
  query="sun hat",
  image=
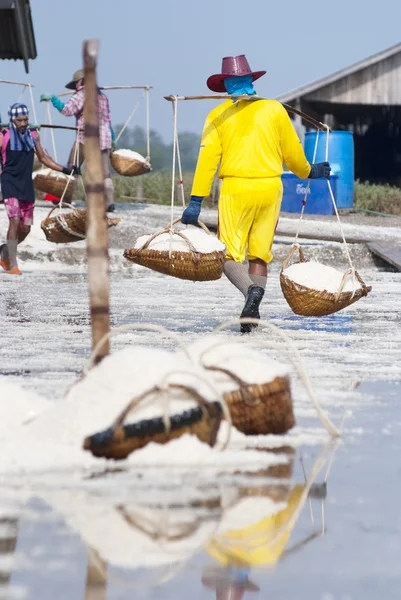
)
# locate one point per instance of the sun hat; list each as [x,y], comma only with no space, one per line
[76,77]
[232,66]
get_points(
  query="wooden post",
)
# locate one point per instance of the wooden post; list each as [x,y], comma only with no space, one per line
[97,235]
[96,577]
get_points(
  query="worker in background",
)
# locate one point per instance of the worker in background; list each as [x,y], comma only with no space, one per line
[17,147]
[251,139]
[75,108]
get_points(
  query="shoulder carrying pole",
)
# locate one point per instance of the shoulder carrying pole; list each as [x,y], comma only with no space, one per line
[311,120]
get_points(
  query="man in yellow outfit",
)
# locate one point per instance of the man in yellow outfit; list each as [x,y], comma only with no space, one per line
[251,138]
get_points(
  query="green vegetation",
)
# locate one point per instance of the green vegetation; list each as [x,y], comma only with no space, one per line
[379,198]
[161,154]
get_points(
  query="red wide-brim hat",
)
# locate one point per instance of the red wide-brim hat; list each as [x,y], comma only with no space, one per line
[232,66]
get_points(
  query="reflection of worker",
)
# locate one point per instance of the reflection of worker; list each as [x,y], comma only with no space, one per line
[230,583]
[75,108]
[257,545]
[251,139]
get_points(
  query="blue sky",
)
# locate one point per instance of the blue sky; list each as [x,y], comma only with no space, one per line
[175,45]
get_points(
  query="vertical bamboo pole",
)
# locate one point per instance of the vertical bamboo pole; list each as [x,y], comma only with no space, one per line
[97,235]
[96,577]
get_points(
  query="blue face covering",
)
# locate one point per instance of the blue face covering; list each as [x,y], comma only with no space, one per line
[239,85]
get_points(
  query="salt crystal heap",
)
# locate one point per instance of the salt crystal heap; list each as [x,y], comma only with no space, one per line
[201,241]
[93,404]
[131,154]
[49,173]
[316,276]
[18,406]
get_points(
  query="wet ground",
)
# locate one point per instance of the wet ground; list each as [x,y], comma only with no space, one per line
[65,540]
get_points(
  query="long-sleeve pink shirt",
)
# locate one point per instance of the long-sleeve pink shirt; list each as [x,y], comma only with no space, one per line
[75,108]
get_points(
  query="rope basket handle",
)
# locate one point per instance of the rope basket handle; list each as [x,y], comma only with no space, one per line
[169,229]
[165,385]
[294,248]
[243,385]
[351,271]
[154,390]
[67,204]
[200,223]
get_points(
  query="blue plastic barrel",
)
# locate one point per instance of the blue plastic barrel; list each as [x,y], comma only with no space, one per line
[341,158]
[318,202]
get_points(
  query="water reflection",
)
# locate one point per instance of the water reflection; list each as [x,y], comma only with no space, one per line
[336,323]
[83,545]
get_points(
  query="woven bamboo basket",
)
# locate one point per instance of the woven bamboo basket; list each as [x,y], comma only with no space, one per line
[129,166]
[120,440]
[191,265]
[278,491]
[260,409]
[308,302]
[68,227]
[54,184]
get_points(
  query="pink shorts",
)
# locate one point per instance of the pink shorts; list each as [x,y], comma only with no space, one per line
[21,209]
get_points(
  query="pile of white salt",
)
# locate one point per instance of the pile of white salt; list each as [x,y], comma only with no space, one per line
[317,276]
[49,173]
[201,241]
[249,364]
[18,406]
[53,441]
[131,154]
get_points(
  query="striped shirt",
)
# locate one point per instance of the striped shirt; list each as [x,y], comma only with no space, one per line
[75,107]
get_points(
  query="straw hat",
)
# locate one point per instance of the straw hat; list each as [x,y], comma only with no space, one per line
[232,66]
[76,77]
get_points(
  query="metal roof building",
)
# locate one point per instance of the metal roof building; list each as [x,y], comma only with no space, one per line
[17,39]
[365,98]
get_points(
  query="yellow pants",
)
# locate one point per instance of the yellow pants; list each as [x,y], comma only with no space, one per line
[248,213]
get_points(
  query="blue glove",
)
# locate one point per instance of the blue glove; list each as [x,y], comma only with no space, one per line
[113,138]
[57,103]
[320,170]
[191,213]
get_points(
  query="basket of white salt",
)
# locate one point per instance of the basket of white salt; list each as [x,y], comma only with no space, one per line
[129,163]
[314,289]
[53,182]
[255,387]
[202,419]
[192,254]
[66,226]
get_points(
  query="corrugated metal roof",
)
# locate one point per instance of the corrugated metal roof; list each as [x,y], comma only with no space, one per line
[17,39]
[358,66]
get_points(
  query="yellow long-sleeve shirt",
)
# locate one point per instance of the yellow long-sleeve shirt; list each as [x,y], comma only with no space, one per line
[250,138]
